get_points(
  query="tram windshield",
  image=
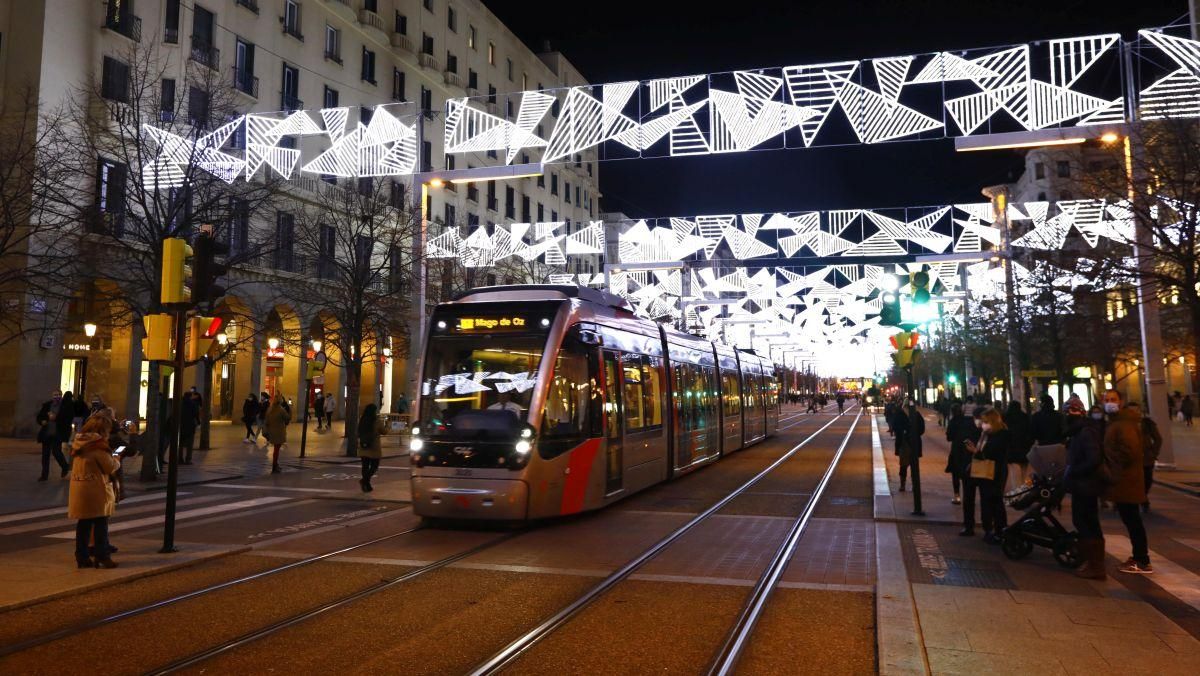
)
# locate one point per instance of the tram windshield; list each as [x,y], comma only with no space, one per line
[479,385]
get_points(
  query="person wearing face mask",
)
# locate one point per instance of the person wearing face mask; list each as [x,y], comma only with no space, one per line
[1123,451]
[1084,480]
[994,442]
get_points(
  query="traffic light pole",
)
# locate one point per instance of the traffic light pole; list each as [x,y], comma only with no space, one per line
[173,430]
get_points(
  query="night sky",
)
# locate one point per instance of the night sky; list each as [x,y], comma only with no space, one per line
[610,40]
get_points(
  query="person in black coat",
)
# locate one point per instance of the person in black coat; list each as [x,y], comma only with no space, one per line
[249,417]
[911,457]
[899,422]
[960,430]
[64,423]
[1046,427]
[993,444]
[188,422]
[1021,440]
[47,419]
[1083,479]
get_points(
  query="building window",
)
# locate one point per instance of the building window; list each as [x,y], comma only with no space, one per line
[510,69]
[114,80]
[451,18]
[171,23]
[524,81]
[541,178]
[510,203]
[450,215]
[427,44]
[578,202]
[166,105]
[471,37]
[567,191]
[110,195]
[204,50]
[243,68]
[401,24]
[553,184]
[1039,170]
[525,208]
[396,195]
[428,4]
[553,216]
[426,99]
[197,108]
[326,250]
[426,155]
[291,19]
[291,89]
[541,212]
[472,79]
[371,6]
[491,195]
[285,240]
[1064,169]
[333,44]
[1041,197]
[330,99]
[492,53]
[237,235]
[397,84]
[491,95]
[368,65]
[451,63]
[509,110]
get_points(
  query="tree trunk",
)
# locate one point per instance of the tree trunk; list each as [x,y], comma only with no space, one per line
[353,387]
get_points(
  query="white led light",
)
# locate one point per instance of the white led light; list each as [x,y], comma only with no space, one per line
[523,447]
[889,282]
[545,322]
[415,445]
[526,433]
[441,324]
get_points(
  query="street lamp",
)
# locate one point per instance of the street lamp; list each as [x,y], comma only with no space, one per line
[316,345]
[222,339]
[273,343]
[89,329]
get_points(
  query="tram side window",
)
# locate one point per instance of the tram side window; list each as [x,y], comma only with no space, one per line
[731,392]
[652,391]
[631,365]
[573,400]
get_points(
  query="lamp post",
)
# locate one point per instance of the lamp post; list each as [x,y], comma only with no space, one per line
[314,366]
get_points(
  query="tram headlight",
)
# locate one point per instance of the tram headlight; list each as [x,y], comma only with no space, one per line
[527,433]
[416,431]
[523,447]
[416,444]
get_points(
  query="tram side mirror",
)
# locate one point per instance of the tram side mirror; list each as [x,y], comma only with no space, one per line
[590,338]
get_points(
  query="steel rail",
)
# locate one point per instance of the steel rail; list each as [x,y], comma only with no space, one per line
[530,638]
[735,641]
[133,612]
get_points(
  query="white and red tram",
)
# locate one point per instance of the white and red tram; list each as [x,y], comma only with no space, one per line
[544,400]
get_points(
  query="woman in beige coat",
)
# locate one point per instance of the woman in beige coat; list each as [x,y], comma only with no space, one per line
[276,421]
[92,499]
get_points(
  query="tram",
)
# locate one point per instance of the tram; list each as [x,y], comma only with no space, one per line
[544,400]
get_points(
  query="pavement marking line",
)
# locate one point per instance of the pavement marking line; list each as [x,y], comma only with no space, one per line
[324,529]
[1194,544]
[63,523]
[879,465]
[249,487]
[186,514]
[22,516]
[1173,578]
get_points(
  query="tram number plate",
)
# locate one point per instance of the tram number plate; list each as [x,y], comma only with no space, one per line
[463,472]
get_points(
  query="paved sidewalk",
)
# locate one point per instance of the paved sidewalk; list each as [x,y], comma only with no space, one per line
[958,606]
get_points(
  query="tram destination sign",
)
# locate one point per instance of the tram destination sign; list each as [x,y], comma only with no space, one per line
[491,324]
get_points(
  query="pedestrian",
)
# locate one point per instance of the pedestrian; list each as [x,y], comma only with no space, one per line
[1152,442]
[319,408]
[250,417]
[330,407]
[899,426]
[370,446]
[1020,438]
[993,445]
[264,403]
[401,405]
[889,410]
[1075,403]
[81,411]
[1123,454]
[97,405]
[65,422]
[916,428]
[841,402]
[1046,426]
[961,429]
[92,498]
[47,436]
[1188,408]
[1084,480]
[276,420]
[188,421]
[1172,405]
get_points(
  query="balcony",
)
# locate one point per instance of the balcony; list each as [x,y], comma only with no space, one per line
[105,222]
[472,92]
[342,8]
[428,61]
[251,5]
[289,103]
[125,24]
[492,108]
[171,36]
[291,28]
[333,56]
[374,22]
[452,78]
[205,54]
[401,42]
[245,83]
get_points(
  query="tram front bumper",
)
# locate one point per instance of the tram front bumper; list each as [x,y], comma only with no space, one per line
[456,498]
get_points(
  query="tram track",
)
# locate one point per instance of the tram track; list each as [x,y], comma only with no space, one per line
[514,651]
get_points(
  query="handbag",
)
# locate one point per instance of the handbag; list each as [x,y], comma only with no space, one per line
[982,468]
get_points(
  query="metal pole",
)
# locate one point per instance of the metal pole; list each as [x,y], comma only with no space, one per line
[1147,290]
[304,430]
[967,370]
[416,337]
[174,430]
[999,197]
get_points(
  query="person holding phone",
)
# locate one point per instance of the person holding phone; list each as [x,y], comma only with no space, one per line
[92,497]
[993,444]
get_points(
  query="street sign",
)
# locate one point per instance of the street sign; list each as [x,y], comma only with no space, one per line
[974,380]
[1039,373]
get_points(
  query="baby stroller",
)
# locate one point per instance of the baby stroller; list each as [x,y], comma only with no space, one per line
[1037,524]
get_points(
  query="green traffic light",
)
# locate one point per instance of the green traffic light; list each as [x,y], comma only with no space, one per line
[952,378]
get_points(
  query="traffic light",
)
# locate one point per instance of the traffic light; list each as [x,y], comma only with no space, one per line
[207,270]
[951,378]
[905,343]
[202,331]
[889,313]
[920,286]
[176,271]
[160,329]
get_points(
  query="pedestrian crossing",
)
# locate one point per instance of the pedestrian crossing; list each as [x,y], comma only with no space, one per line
[142,511]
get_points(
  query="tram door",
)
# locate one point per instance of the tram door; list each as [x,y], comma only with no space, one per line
[613,423]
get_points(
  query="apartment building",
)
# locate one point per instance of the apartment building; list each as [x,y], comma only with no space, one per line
[286,55]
